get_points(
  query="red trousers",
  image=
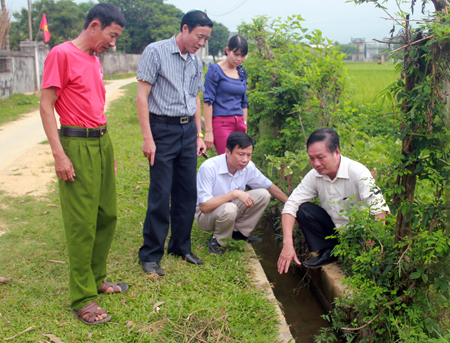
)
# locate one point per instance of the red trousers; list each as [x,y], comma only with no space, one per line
[222,127]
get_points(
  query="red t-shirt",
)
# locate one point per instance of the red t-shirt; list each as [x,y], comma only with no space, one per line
[78,79]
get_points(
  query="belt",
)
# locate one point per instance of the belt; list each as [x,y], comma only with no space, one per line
[86,133]
[171,120]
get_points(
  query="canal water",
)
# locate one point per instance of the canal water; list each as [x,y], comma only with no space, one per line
[300,305]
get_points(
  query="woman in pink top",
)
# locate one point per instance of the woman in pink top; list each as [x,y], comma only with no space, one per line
[225,96]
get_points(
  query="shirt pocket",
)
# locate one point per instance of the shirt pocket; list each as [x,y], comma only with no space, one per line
[195,83]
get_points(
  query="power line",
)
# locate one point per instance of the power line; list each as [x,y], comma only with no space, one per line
[234,9]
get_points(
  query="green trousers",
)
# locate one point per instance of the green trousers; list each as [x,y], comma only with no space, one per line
[90,214]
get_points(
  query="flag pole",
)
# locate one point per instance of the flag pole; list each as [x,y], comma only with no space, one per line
[29,20]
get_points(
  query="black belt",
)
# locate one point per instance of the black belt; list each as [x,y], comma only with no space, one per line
[171,120]
[86,133]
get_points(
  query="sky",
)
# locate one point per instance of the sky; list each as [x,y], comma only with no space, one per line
[337,19]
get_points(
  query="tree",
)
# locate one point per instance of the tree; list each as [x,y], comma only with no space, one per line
[148,21]
[4,27]
[398,274]
[347,49]
[218,40]
[65,21]
[296,81]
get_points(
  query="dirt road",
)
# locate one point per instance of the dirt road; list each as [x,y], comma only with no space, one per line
[26,167]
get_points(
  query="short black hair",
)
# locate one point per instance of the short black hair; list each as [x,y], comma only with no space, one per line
[106,14]
[195,18]
[238,43]
[329,135]
[240,140]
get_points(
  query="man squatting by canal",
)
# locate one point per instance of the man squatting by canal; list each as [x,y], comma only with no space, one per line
[334,179]
[168,106]
[223,206]
[84,158]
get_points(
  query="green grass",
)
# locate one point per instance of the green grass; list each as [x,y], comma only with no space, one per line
[120,76]
[16,105]
[368,79]
[216,299]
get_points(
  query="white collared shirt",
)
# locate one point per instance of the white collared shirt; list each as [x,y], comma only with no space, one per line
[352,179]
[214,179]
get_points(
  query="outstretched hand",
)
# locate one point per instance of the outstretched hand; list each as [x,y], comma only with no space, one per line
[284,261]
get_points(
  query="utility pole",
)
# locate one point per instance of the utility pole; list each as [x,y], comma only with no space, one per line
[29,20]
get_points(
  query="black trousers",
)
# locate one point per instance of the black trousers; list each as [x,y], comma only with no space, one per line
[316,224]
[172,178]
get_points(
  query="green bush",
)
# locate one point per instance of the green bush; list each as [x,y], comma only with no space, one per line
[397,270]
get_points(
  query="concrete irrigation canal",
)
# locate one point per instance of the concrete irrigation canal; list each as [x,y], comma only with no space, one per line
[303,298]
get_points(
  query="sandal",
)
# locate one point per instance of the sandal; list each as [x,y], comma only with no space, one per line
[93,311]
[115,286]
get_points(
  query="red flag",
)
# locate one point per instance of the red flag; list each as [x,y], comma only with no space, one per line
[44,27]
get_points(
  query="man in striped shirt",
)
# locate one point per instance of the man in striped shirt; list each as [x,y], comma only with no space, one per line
[168,106]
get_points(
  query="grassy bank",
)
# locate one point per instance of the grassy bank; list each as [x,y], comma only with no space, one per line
[211,303]
[368,79]
[120,76]
[16,105]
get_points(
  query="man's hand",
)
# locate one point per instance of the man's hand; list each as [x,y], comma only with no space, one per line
[286,256]
[245,198]
[201,147]
[209,139]
[115,167]
[149,150]
[64,168]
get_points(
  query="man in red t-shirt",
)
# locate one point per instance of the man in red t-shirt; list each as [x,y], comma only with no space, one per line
[84,158]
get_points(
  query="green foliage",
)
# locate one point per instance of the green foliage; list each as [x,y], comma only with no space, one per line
[391,293]
[397,269]
[65,21]
[398,273]
[218,40]
[148,21]
[293,75]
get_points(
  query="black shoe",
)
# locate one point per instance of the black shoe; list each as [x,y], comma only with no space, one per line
[152,267]
[323,259]
[214,247]
[250,239]
[191,258]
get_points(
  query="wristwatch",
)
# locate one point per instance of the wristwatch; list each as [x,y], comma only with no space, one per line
[200,135]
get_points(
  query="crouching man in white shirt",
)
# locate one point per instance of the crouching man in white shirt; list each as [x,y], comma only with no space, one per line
[223,206]
[334,179]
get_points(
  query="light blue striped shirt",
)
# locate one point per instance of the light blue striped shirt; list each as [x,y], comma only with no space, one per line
[175,81]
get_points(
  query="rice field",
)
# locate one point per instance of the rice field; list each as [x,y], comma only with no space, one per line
[368,79]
